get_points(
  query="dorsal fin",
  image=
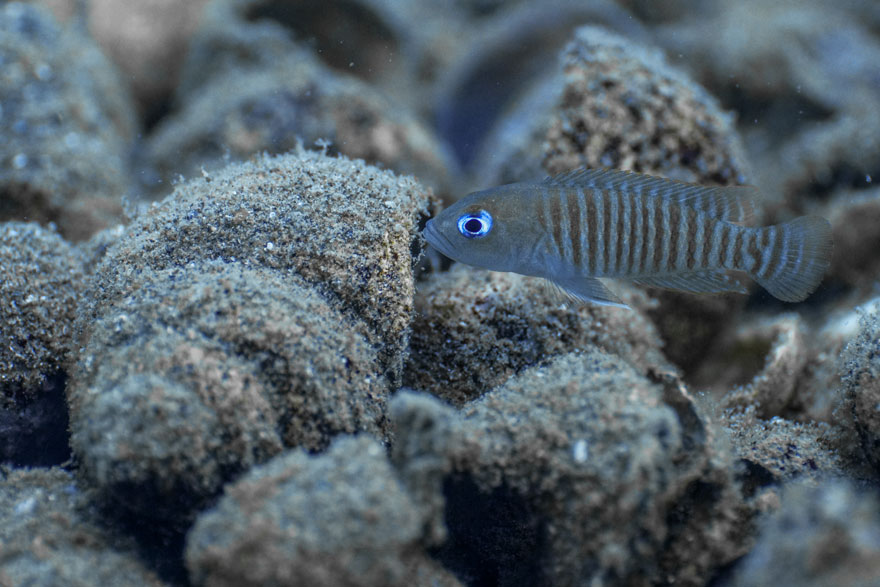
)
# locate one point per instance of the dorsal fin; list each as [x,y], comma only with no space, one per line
[733,204]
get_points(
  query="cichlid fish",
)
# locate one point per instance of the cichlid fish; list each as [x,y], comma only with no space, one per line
[586,224]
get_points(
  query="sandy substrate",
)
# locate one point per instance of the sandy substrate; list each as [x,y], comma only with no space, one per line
[228,357]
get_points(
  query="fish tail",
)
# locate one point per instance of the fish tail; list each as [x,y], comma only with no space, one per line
[794,257]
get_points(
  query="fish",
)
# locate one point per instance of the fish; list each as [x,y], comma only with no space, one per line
[579,227]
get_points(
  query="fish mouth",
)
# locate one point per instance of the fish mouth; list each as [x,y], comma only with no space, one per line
[437,239]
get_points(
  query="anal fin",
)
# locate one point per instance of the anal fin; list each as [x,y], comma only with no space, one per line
[708,281]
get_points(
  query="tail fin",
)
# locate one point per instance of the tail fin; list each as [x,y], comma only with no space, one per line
[802,254]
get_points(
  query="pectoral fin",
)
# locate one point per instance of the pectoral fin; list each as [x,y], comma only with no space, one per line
[587,290]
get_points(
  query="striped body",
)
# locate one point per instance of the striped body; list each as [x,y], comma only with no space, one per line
[587,224]
[609,233]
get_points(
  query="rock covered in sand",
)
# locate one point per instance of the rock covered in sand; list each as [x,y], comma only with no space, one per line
[339,518]
[584,470]
[265,306]
[43,280]
[859,366]
[474,329]
[66,122]
[802,75]
[824,535]
[248,87]
[621,105]
[51,536]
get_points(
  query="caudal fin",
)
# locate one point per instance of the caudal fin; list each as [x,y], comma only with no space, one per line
[801,253]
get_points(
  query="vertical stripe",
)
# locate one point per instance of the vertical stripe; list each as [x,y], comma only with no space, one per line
[696,235]
[539,212]
[726,245]
[782,252]
[592,232]
[668,236]
[712,208]
[677,226]
[771,254]
[739,248]
[555,222]
[574,226]
[558,195]
[599,255]
[753,246]
[714,257]
[660,228]
[768,235]
[583,251]
[584,222]
[635,233]
[707,242]
[647,234]
[623,231]
[613,231]
[608,231]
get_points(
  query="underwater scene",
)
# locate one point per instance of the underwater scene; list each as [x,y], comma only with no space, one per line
[441,293]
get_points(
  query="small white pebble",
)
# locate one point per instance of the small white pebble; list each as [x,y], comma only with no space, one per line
[580,451]
[120,322]
[43,72]
[19,161]
[269,246]
[25,506]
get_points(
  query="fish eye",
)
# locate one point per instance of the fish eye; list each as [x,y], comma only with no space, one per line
[475,225]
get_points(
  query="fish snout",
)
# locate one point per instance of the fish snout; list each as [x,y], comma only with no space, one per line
[436,239]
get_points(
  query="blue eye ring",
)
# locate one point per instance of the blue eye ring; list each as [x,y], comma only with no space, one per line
[475,225]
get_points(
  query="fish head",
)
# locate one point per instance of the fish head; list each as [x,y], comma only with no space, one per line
[489,229]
